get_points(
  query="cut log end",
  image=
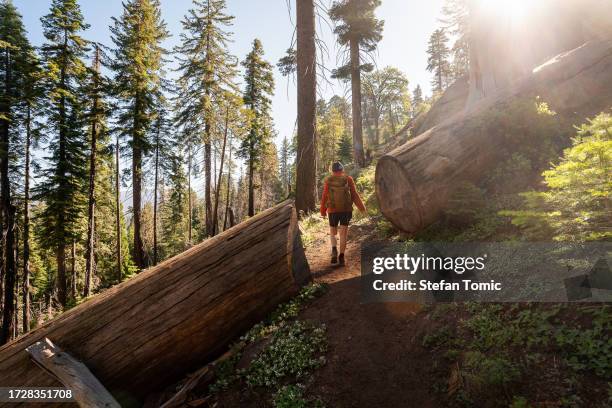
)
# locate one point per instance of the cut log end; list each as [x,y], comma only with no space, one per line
[397,198]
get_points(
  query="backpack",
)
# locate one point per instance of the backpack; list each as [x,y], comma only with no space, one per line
[339,197]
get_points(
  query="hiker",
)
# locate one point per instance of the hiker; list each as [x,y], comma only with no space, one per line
[339,195]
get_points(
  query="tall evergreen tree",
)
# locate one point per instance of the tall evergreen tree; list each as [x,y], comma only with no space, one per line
[63,188]
[32,105]
[285,166]
[15,55]
[456,21]
[96,125]
[358,29]
[438,60]
[138,64]
[207,71]
[259,88]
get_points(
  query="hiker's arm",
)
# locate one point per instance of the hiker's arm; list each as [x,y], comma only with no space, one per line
[355,196]
[324,200]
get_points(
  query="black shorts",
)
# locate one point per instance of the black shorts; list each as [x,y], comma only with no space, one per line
[342,218]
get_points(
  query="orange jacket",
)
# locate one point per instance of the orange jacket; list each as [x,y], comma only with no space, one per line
[354,196]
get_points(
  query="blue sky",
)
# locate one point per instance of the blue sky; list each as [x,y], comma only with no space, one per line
[408,24]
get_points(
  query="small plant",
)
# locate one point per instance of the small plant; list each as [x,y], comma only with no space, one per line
[290,396]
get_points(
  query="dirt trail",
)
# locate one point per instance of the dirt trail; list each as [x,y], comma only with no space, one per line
[375,358]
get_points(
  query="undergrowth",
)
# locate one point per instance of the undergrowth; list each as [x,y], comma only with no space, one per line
[523,347]
[287,351]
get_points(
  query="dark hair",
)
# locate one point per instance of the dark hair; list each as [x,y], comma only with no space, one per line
[337,166]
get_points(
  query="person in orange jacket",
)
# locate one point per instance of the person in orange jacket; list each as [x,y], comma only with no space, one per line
[339,195]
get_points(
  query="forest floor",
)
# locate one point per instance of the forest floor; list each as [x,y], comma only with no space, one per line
[373,348]
[328,349]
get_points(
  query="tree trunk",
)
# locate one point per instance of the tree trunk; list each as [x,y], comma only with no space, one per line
[8,214]
[73,271]
[155,187]
[358,154]
[189,199]
[218,189]
[207,179]
[91,205]
[26,225]
[306,159]
[229,185]
[251,178]
[177,316]
[118,211]
[137,187]
[415,181]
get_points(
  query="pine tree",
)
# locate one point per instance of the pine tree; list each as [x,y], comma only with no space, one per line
[207,71]
[32,98]
[285,166]
[175,209]
[456,22]
[138,63]
[438,61]
[63,188]
[96,127]
[259,88]
[359,29]
[162,162]
[15,52]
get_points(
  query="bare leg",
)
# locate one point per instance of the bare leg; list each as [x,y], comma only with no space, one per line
[333,231]
[343,234]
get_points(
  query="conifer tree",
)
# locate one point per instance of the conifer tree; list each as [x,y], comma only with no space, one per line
[96,127]
[438,60]
[138,66]
[15,53]
[456,21]
[63,188]
[358,29]
[259,88]
[285,166]
[175,209]
[32,104]
[207,71]
[417,100]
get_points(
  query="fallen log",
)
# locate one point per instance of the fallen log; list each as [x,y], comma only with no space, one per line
[415,181]
[148,332]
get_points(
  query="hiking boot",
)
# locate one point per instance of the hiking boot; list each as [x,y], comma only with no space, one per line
[334,258]
[341,259]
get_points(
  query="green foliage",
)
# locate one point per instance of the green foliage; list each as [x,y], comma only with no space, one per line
[290,396]
[293,351]
[438,60]
[482,371]
[576,205]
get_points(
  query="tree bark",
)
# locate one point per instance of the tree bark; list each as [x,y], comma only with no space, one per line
[306,161]
[358,153]
[251,209]
[415,181]
[229,185]
[73,271]
[218,189]
[177,316]
[137,188]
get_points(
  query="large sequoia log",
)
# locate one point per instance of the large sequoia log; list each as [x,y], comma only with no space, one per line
[149,331]
[415,181]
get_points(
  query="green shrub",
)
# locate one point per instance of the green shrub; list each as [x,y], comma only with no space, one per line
[576,205]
